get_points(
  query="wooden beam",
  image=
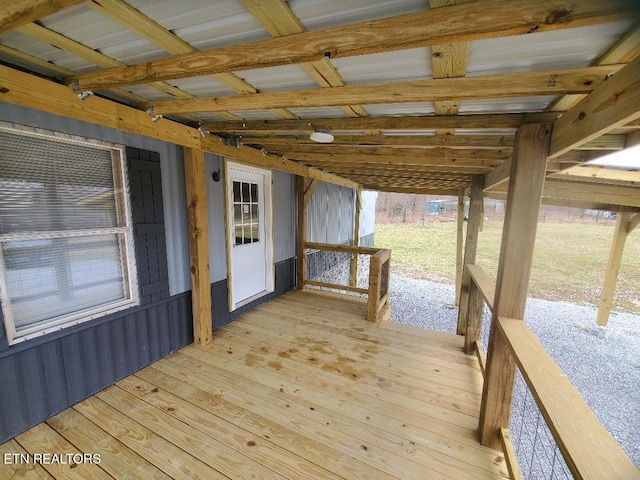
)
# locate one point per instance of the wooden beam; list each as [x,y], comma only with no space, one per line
[470,141]
[526,183]
[90,55]
[487,19]
[586,446]
[613,103]
[449,60]
[624,195]
[501,85]
[592,173]
[559,189]
[417,190]
[263,159]
[613,268]
[340,152]
[279,20]
[565,202]
[33,92]
[417,158]
[14,14]
[624,50]
[470,248]
[145,27]
[510,456]
[198,246]
[459,243]
[486,122]
[498,175]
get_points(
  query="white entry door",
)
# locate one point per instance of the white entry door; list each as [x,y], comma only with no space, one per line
[249,234]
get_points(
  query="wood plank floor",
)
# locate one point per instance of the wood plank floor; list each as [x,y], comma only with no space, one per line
[301,388]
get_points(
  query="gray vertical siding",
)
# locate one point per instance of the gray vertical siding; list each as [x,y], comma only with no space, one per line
[330,214]
[284,215]
[216,219]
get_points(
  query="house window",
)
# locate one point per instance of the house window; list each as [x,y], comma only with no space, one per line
[66,247]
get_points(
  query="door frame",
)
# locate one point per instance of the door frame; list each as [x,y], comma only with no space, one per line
[229,230]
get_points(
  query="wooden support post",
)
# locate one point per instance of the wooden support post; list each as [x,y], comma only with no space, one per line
[470,248]
[301,255]
[353,267]
[198,245]
[526,182]
[613,267]
[459,240]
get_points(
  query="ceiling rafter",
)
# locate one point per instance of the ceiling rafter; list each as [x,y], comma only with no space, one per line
[486,19]
[624,50]
[614,102]
[487,122]
[147,28]
[503,85]
[449,61]
[16,14]
[79,50]
[475,141]
[340,151]
[279,20]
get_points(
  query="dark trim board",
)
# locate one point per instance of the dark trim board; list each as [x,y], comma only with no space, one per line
[44,376]
[285,272]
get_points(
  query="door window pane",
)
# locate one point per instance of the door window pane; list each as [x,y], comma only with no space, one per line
[246,214]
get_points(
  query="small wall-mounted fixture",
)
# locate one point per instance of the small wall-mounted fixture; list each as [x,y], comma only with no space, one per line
[84,95]
[321,136]
[215,176]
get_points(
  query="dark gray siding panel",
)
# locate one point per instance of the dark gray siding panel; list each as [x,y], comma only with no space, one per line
[44,376]
[285,272]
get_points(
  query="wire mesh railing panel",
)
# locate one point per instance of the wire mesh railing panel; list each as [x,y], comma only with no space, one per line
[537,452]
[337,268]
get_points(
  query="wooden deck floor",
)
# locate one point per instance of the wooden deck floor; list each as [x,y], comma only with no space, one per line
[301,388]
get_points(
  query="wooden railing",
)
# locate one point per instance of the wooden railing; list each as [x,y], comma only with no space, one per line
[378,306]
[588,449]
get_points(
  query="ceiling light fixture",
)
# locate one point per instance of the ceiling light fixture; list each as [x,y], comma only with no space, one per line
[321,136]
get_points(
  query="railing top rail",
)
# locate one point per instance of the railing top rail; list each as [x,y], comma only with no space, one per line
[587,447]
[341,248]
[383,254]
[485,284]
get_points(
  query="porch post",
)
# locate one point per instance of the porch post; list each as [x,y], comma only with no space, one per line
[624,225]
[353,267]
[514,268]
[470,248]
[198,245]
[459,240]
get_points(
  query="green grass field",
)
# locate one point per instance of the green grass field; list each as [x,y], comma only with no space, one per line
[569,258]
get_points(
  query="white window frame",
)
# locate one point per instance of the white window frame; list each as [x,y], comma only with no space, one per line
[129,270]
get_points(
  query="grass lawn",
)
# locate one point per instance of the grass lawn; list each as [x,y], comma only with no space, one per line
[568,265]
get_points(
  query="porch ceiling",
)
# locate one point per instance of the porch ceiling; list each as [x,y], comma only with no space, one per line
[413,109]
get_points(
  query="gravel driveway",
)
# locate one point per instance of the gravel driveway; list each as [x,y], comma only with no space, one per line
[604,369]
